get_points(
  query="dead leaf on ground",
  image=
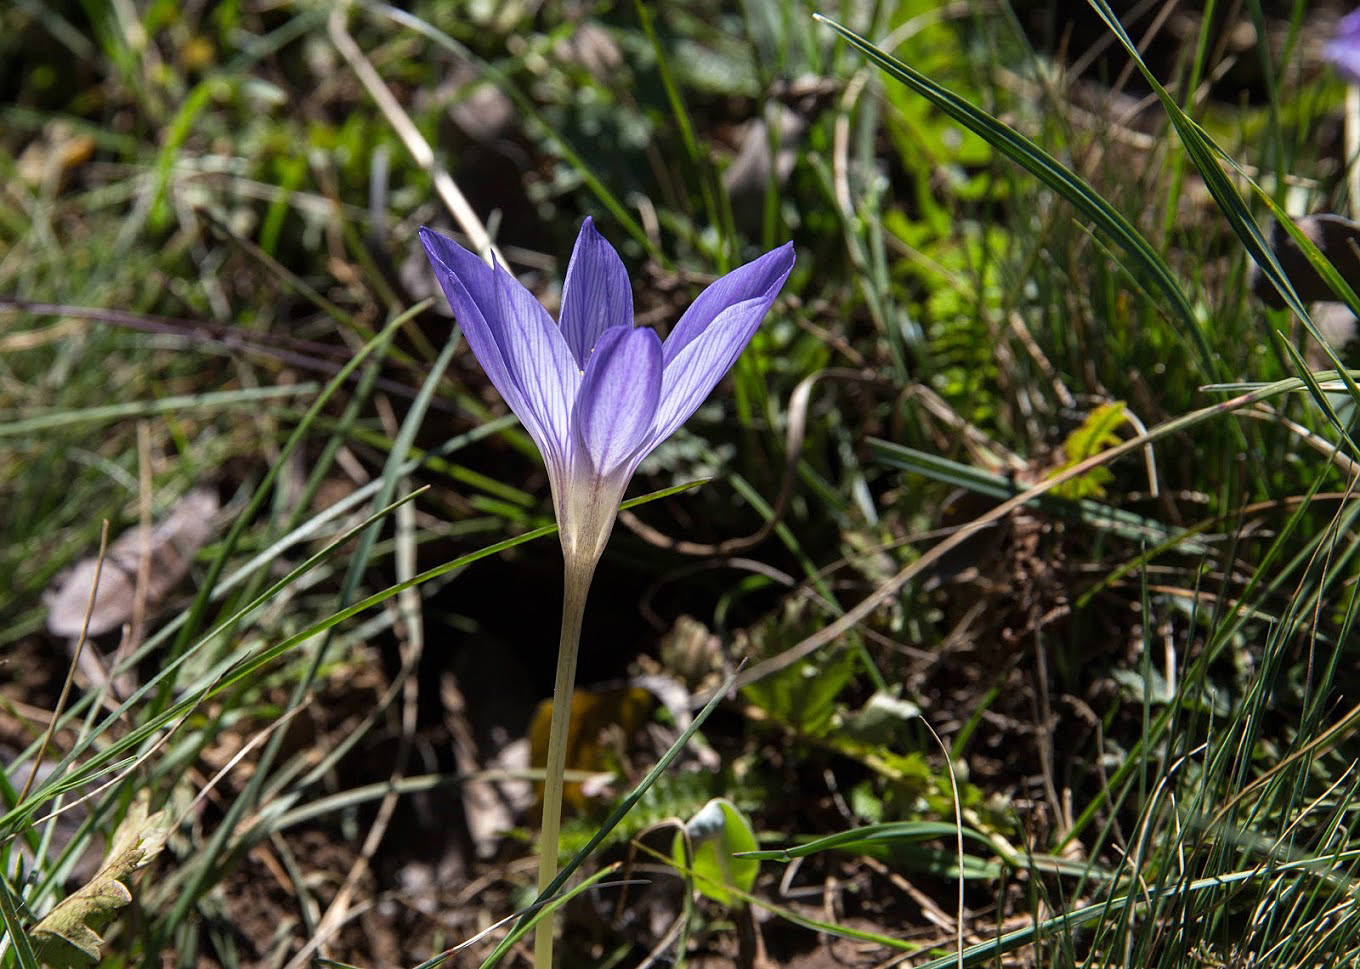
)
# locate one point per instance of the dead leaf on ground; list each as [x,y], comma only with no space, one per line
[173,544]
[69,934]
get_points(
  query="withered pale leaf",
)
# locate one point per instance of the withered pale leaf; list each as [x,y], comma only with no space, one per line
[173,545]
[69,934]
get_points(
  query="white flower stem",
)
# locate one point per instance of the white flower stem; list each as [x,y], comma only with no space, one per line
[576,587]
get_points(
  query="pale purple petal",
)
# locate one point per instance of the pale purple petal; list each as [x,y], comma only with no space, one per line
[596,294]
[1344,49]
[759,279]
[540,362]
[618,399]
[696,370]
[472,271]
[470,287]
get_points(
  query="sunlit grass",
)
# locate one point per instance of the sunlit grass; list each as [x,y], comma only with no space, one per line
[206,241]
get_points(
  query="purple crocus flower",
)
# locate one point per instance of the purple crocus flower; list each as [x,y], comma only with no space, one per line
[1343,50]
[596,393]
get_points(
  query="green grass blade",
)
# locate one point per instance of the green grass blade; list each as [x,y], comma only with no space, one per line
[1103,217]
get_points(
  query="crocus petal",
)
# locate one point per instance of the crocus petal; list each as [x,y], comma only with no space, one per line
[696,370]
[596,294]
[472,271]
[618,398]
[540,362]
[758,279]
[470,287]
[1344,49]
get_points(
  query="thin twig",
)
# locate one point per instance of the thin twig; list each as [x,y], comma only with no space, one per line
[408,604]
[236,758]
[410,135]
[858,613]
[793,446]
[958,830]
[75,661]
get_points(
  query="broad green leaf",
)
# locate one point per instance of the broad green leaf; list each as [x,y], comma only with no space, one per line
[715,834]
[803,697]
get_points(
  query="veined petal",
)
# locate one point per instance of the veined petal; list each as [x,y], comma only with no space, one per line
[596,295]
[540,362]
[472,271]
[470,287]
[691,376]
[617,403]
[759,279]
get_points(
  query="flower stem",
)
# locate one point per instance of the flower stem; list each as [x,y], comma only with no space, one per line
[576,586]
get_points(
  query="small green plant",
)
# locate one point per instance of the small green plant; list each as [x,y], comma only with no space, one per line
[706,851]
[1096,434]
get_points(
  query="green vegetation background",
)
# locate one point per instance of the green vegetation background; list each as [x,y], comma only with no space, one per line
[1144,679]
